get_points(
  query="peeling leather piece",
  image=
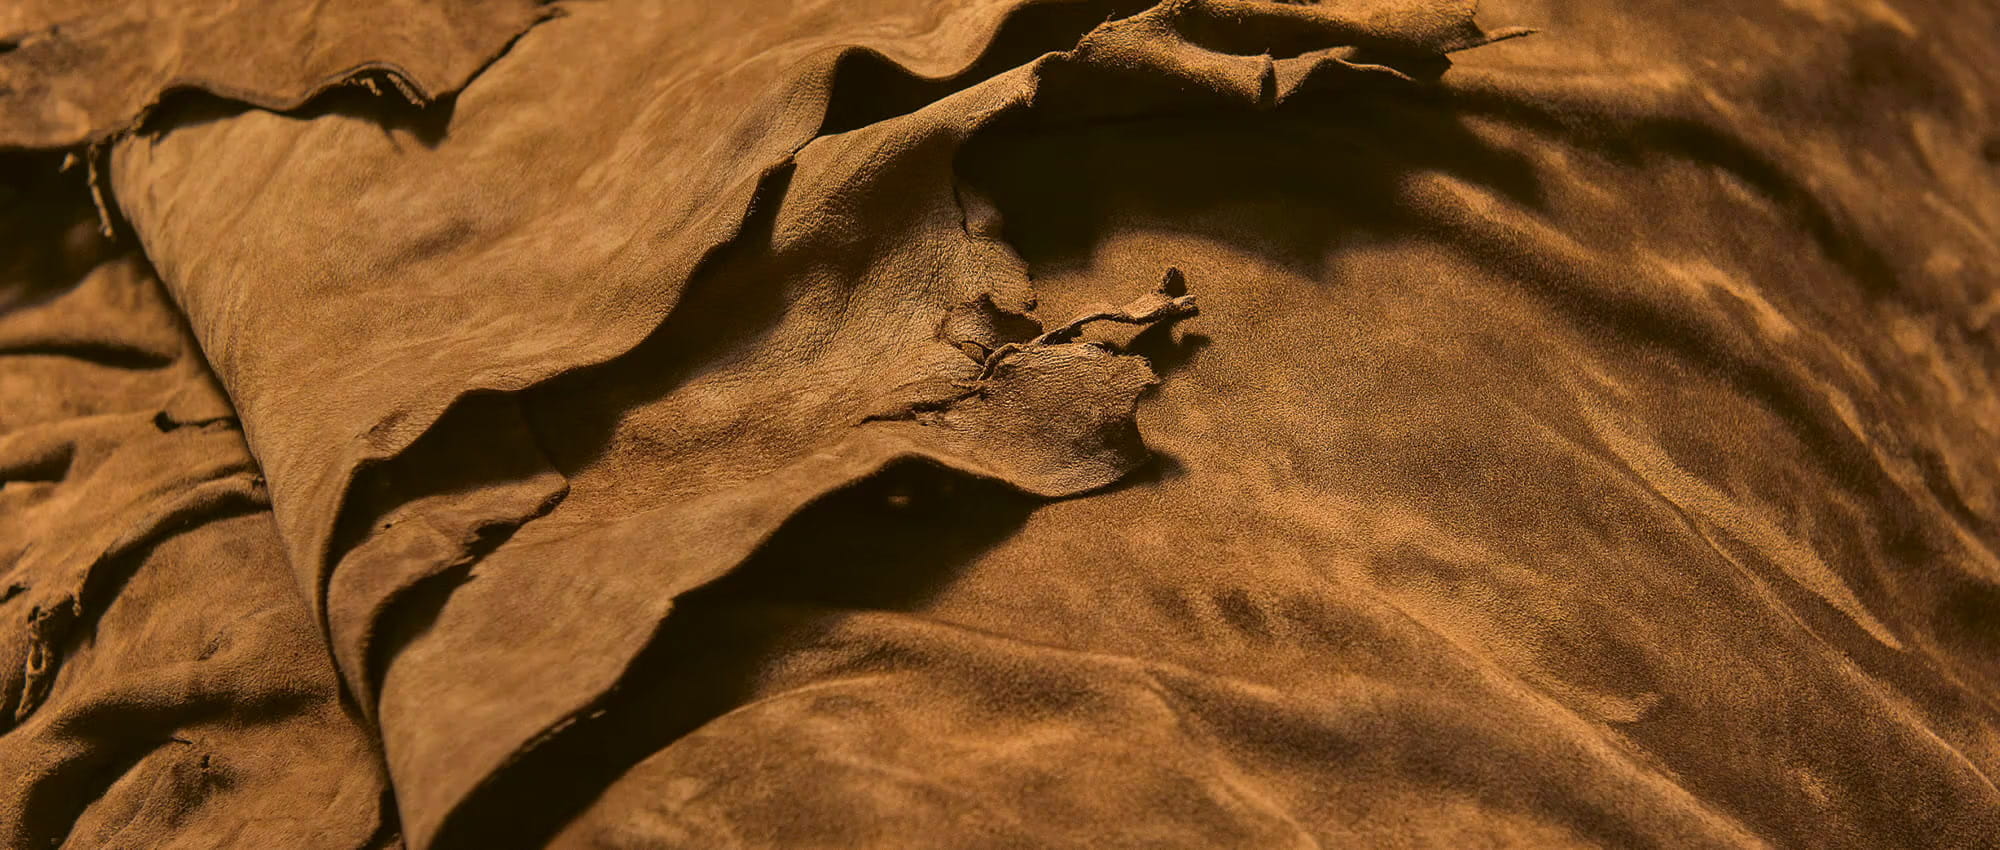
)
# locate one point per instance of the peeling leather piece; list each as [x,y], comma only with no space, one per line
[86,71]
[1169,301]
[1052,416]
[1054,420]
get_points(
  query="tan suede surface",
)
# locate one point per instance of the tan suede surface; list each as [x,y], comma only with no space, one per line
[905,423]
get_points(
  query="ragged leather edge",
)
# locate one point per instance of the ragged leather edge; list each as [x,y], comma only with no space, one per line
[49,623]
[95,145]
[1169,301]
[405,83]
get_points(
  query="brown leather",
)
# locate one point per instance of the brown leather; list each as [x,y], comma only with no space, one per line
[1211,423]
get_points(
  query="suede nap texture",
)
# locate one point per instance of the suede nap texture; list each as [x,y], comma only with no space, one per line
[1002,423]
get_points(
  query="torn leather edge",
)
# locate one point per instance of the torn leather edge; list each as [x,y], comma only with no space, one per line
[406,84]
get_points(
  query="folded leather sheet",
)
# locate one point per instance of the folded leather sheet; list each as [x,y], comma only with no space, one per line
[1000,423]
